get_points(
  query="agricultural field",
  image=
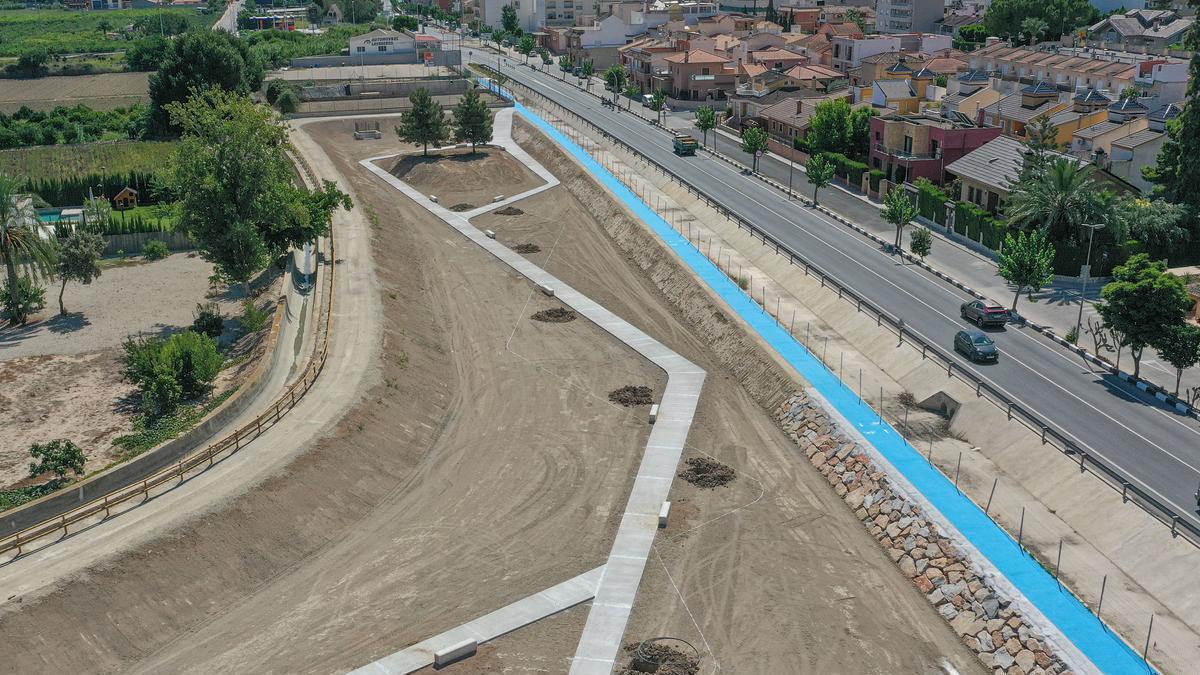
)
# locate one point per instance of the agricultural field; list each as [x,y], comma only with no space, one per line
[66,32]
[58,162]
[100,92]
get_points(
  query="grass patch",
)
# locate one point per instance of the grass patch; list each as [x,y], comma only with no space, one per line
[60,162]
[61,31]
[11,499]
[148,433]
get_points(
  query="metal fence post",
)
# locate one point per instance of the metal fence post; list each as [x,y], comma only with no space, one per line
[1146,649]
[957,468]
[1100,605]
[1021,530]
[1058,565]
[986,511]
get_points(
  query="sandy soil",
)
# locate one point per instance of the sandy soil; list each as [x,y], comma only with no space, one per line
[79,397]
[129,298]
[487,465]
[61,377]
[773,573]
[472,466]
[103,91]
[462,180]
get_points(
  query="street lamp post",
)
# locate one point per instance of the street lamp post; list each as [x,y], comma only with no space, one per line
[1085,273]
[791,163]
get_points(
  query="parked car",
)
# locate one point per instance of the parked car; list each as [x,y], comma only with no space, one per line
[976,345]
[984,313]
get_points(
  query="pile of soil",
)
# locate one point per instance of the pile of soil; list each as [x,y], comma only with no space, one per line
[707,473]
[554,315]
[510,211]
[459,208]
[670,661]
[527,248]
[630,396]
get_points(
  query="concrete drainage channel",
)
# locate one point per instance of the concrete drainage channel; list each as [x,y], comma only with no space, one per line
[1085,640]
[613,586]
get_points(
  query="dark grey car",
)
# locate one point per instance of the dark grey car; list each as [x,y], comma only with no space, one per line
[984,313]
[976,345]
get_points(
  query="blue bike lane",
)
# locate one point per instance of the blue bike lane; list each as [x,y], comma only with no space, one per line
[1095,641]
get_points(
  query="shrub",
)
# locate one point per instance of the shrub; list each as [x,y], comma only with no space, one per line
[155,250]
[57,457]
[27,300]
[208,320]
[169,370]
[876,176]
[194,361]
[288,102]
[253,318]
[931,201]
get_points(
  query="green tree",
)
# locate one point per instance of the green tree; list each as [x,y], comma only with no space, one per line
[237,196]
[545,54]
[472,120]
[1179,345]
[288,102]
[58,457]
[820,172]
[657,100]
[1142,302]
[78,260]
[975,32]
[194,360]
[1061,199]
[632,91]
[526,46]
[858,132]
[32,62]
[899,210]
[1043,139]
[22,248]
[614,78]
[1027,262]
[148,53]
[1158,225]
[921,242]
[856,16]
[587,68]
[771,15]
[424,122]
[508,19]
[829,128]
[1004,18]
[754,142]
[1033,28]
[706,120]
[565,63]
[199,60]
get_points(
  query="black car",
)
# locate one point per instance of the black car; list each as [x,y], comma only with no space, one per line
[976,345]
[984,313]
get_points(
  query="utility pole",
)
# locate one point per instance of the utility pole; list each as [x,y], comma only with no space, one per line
[1084,274]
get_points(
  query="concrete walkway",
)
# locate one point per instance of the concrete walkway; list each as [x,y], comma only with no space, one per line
[605,627]
[490,626]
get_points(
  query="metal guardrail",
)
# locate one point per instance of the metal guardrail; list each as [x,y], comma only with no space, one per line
[1130,489]
[203,458]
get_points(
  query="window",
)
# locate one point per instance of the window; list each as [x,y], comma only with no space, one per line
[383,48]
[361,48]
[704,71]
[933,147]
[908,145]
[878,136]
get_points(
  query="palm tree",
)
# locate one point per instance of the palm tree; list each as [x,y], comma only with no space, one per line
[1034,27]
[21,244]
[1059,199]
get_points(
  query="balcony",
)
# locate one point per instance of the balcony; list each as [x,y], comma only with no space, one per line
[900,153]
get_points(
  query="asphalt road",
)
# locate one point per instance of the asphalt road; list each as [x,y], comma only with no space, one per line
[1155,446]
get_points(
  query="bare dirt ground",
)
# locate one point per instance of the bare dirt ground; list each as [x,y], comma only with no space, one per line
[131,296]
[773,572]
[103,91]
[486,465]
[60,376]
[473,475]
[459,178]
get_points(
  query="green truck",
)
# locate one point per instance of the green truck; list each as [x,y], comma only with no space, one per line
[685,145]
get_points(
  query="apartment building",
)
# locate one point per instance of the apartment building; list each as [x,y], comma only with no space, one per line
[911,146]
[908,16]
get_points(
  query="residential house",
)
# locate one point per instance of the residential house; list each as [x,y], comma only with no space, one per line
[911,146]
[1129,154]
[953,22]
[1128,108]
[1094,144]
[645,59]
[846,30]
[1013,112]
[1088,108]
[698,75]
[817,48]
[908,16]
[836,14]
[599,41]
[1069,68]
[777,59]
[968,93]
[898,95]
[849,53]
[789,119]
[1154,29]
[986,175]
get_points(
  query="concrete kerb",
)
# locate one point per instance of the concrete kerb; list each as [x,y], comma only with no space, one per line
[505,620]
[605,627]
